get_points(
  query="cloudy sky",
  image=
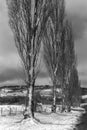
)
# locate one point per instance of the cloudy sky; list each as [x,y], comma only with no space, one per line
[10,63]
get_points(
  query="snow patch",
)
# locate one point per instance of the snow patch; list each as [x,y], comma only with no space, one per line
[44,121]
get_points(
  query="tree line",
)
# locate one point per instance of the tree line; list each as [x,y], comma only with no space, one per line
[34,22]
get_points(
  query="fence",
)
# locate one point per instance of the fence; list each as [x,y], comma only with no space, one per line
[10,110]
[47,108]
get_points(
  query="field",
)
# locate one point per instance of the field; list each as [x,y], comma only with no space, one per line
[12,102]
[65,121]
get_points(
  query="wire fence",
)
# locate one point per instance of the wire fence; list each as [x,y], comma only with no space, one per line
[10,110]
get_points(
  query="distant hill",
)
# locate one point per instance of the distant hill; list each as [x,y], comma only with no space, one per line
[23,87]
[17,87]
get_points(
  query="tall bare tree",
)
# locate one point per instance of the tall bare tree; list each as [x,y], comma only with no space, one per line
[52,39]
[59,50]
[27,20]
[68,61]
[74,88]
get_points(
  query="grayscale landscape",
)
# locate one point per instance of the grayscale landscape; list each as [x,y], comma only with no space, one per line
[43,65]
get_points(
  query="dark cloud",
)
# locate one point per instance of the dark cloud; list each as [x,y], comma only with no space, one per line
[83,83]
[11,74]
[43,75]
[82,73]
[17,73]
[78,24]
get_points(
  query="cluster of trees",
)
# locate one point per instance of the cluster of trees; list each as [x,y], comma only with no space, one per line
[59,55]
[44,21]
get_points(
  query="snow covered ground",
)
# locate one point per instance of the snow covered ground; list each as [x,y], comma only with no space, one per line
[46,121]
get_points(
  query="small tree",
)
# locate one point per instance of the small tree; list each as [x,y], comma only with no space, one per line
[53,36]
[27,19]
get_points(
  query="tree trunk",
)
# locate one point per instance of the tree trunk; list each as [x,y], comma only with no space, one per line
[63,98]
[54,98]
[66,103]
[29,111]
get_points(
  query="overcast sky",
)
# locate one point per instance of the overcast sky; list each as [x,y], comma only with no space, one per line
[10,63]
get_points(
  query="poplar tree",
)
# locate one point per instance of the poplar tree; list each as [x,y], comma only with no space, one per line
[53,39]
[27,20]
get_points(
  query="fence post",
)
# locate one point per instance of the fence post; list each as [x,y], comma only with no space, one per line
[10,111]
[15,111]
[1,111]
